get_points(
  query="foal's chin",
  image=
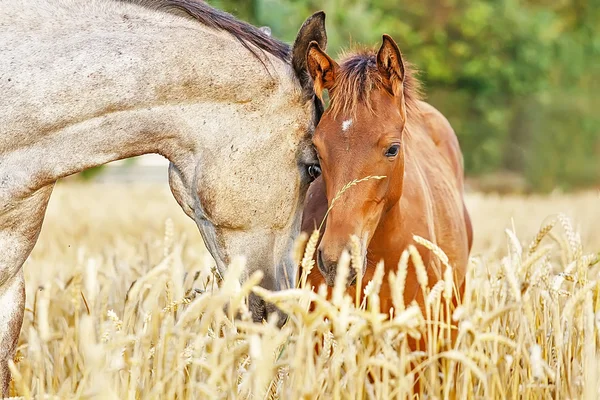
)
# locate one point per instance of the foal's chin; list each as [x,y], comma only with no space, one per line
[350,281]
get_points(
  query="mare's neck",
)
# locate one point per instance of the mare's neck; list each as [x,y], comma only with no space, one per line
[96,141]
[152,84]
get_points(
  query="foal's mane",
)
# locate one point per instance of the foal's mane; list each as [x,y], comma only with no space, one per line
[248,35]
[358,76]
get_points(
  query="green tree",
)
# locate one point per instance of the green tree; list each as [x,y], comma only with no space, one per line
[514,77]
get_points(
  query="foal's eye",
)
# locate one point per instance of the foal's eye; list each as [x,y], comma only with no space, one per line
[314,171]
[393,151]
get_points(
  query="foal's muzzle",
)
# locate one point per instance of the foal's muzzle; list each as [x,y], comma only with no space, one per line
[328,269]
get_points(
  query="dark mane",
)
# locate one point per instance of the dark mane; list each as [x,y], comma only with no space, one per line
[248,35]
[358,75]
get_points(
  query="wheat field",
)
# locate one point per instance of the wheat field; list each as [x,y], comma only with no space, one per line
[123,302]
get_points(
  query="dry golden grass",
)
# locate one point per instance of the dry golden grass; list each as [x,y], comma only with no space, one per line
[528,327]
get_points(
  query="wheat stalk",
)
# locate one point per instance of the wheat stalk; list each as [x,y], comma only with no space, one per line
[542,344]
[343,190]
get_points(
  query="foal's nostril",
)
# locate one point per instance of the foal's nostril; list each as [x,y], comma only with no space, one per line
[320,261]
[352,278]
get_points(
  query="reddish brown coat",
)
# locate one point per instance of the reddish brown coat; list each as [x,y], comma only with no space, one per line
[375,105]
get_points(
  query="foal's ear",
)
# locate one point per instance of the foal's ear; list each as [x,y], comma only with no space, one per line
[321,67]
[391,68]
[313,29]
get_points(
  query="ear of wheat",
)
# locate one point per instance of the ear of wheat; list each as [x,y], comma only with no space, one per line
[129,309]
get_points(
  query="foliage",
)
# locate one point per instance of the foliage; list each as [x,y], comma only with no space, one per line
[514,77]
[90,173]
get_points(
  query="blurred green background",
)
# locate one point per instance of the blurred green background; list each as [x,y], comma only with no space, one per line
[518,80]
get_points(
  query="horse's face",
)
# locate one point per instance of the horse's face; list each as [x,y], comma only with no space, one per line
[251,171]
[358,140]
[351,148]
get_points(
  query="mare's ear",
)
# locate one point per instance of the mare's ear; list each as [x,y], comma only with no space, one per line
[321,67]
[313,29]
[391,68]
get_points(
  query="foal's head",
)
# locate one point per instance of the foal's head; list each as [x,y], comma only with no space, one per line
[360,136]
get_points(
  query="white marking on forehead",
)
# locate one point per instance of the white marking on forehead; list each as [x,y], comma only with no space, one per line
[346,124]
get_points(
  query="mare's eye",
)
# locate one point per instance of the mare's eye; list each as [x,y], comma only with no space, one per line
[314,171]
[392,151]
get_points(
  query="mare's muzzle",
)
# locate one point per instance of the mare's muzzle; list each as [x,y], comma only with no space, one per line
[261,310]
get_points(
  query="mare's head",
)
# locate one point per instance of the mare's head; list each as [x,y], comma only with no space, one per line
[360,136]
[251,119]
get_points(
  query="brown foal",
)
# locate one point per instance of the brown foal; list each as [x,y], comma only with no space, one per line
[377,125]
